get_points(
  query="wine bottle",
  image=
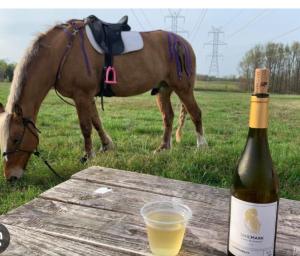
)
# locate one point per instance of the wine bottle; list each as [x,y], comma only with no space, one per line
[254,191]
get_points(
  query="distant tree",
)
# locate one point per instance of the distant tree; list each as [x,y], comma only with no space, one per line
[3,66]
[9,73]
[283,62]
[6,71]
[201,77]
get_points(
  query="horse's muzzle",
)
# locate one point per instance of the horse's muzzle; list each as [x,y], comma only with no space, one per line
[13,174]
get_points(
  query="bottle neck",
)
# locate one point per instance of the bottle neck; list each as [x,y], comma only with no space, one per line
[258,124]
[258,134]
[259,112]
[257,143]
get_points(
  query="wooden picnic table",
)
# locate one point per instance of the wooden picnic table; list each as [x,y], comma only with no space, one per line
[71,219]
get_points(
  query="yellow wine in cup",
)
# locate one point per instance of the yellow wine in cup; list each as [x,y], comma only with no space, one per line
[166,223]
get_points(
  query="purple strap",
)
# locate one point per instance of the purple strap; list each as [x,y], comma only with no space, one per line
[173,42]
[177,59]
[64,56]
[68,33]
[85,56]
[71,35]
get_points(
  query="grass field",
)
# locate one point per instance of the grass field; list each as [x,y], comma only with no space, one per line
[223,86]
[135,126]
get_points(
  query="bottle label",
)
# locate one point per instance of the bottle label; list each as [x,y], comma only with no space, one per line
[252,228]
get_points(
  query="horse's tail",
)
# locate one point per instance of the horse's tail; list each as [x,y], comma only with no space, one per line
[181,120]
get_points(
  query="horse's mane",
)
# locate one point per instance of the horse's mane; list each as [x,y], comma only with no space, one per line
[4,122]
[17,85]
[20,72]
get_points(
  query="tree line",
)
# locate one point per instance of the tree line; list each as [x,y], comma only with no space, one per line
[202,77]
[6,71]
[283,61]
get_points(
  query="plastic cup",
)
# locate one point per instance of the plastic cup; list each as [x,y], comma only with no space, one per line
[166,223]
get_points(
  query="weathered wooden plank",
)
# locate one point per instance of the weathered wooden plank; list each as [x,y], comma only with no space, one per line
[215,197]
[130,201]
[102,228]
[27,242]
[154,184]
[211,222]
[122,199]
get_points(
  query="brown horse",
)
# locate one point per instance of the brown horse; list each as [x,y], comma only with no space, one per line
[138,72]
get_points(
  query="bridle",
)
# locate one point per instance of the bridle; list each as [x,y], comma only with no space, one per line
[27,124]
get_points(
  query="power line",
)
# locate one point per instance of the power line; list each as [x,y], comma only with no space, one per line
[198,20]
[248,23]
[146,18]
[137,19]
[286,33]
[230,21]
[216,42]
[199,24]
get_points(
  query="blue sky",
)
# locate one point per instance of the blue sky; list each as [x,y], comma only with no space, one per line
[243,28]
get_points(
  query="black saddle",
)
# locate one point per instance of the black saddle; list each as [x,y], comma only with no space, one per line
[108,35]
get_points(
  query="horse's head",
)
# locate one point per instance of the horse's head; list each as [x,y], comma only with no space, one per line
[19,139]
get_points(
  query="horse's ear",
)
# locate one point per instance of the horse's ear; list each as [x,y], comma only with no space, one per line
[17,111]
[1,108]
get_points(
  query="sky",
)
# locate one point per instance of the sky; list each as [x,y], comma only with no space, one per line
[243,28]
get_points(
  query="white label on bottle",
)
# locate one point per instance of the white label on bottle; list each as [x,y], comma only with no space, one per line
[252,228]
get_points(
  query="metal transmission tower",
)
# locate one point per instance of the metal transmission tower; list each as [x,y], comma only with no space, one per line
[216,42]
[175,17]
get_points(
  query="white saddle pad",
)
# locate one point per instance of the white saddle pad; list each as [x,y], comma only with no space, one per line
[133,40]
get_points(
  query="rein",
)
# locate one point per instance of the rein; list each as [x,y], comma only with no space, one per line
[76,29]
[26,123]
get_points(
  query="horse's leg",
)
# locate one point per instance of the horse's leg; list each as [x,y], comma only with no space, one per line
[188,99]
[164,103]
[181,121]
[106,141]
[83,106]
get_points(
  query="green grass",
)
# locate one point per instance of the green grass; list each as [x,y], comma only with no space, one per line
[136,128]
[224,86]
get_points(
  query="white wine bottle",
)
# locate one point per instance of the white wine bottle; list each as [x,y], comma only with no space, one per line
[254,192]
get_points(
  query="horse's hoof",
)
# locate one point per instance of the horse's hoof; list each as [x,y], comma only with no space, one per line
[202,146]
[83,159]
[107,147]
[86,157]
[201,142]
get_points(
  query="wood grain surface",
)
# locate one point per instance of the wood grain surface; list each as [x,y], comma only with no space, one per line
[72,219]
